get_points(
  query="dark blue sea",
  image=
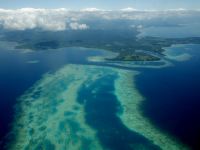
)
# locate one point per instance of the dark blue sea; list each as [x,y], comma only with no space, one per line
[173,97]
[17,75]
[171,94]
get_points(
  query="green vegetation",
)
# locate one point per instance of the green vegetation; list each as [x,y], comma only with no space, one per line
[123,42]
[135,56]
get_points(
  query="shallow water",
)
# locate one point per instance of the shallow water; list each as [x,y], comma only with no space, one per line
[65,102]
[18,74]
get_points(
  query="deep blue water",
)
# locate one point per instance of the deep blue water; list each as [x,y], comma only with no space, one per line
[16,75]
[101,110]
[173,97]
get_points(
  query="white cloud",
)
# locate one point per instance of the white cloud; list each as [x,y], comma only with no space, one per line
[129,9]
[177,9]
[93,9]
[63,19]
[138,27]
[76,26]
[30,18]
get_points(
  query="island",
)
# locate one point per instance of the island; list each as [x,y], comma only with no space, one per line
[124,42]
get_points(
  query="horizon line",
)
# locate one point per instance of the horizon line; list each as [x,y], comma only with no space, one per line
[94,9]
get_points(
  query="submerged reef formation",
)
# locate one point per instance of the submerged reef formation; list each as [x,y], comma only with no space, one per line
[96,108]
[48,116]
[132,115]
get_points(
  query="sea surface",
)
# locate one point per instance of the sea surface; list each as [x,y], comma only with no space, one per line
[58,99]
[173,31]
[20,69]
[172,95]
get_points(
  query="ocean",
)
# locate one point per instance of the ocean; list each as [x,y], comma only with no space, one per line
[48,93]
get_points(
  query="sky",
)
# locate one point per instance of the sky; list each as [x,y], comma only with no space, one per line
[102,4]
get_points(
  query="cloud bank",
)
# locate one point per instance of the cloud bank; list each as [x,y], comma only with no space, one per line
[129,9]
[46,19]
[92,9]
[76,26]
[63,19]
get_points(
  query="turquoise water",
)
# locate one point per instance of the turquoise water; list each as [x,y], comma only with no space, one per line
[67,102]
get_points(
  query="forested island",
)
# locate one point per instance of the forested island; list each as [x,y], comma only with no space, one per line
[124,42]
